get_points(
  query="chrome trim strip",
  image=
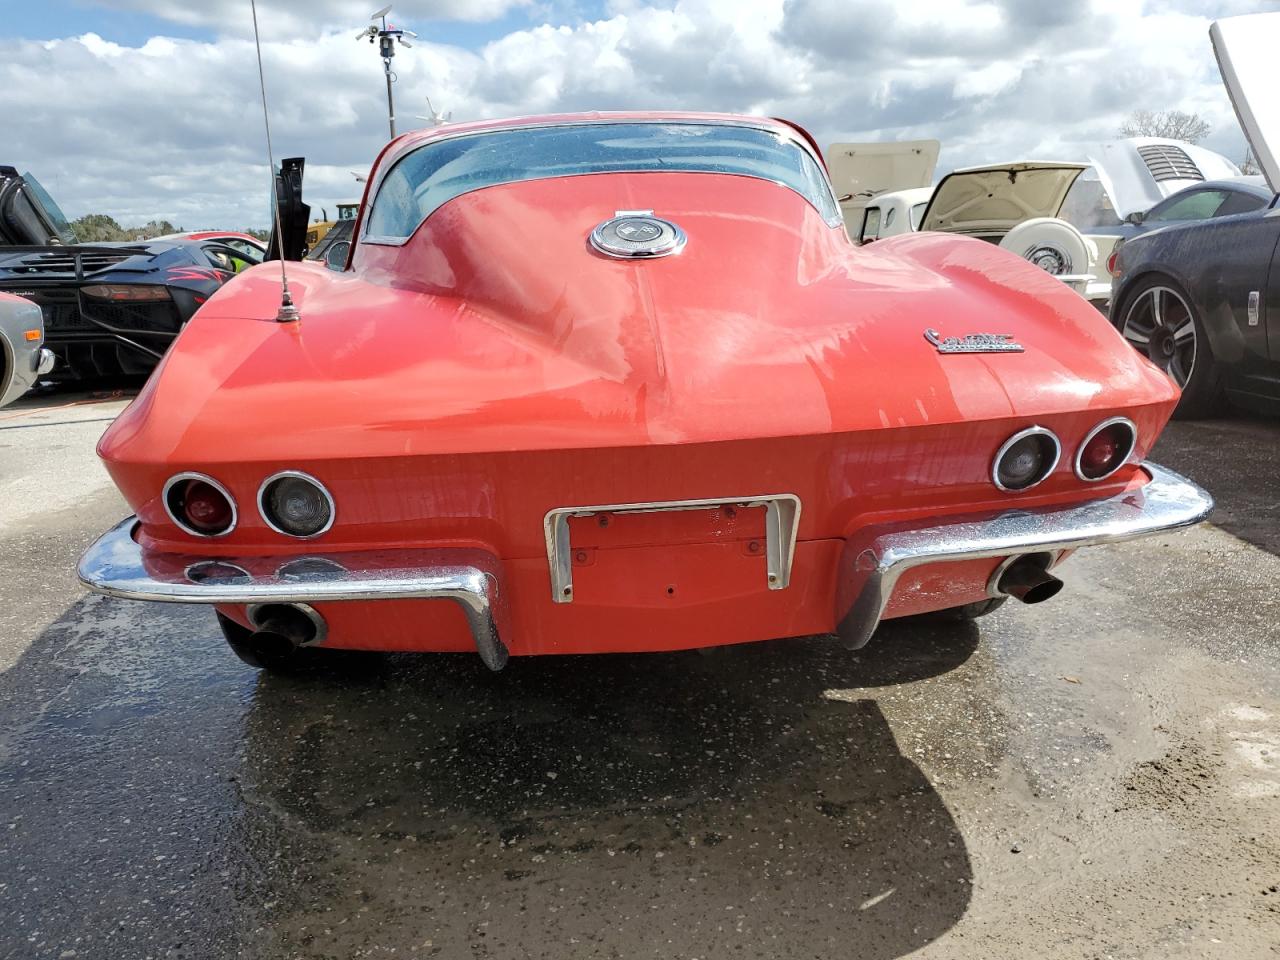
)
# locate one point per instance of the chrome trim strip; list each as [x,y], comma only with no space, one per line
[117,566]
[782,521]
[1111,422]
[874,560]
[1004,448]
[192,475]
[262,511]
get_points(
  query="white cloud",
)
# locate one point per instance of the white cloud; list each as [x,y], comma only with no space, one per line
[988,81]
[172,128]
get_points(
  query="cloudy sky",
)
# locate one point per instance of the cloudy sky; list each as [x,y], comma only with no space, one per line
[150,108]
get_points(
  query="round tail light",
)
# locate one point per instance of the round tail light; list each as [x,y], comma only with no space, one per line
[296,505]
[1025,459]
[199,505]
[1105,449]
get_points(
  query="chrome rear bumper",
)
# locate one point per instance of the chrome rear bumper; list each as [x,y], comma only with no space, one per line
[115,565]
[871,563]
[874,560]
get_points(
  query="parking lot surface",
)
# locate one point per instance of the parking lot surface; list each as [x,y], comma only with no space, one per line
[1098,776]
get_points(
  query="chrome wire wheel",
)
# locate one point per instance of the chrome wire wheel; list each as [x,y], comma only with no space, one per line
[1159,324]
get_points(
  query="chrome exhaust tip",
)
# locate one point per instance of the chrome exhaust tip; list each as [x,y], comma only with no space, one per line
[286,626]
[1027,578]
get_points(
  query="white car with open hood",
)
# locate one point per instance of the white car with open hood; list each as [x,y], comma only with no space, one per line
[1045,210]
[1016,205]
[864,172]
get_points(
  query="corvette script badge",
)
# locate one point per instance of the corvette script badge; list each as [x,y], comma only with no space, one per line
[974,343]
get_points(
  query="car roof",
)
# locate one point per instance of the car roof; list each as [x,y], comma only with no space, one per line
[407,142]
[1253,185]
[191,236]
[594,116]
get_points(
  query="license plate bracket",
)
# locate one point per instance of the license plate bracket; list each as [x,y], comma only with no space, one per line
[782,521]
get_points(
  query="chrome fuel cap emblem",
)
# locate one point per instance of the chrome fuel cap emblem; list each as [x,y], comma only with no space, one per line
[637,233]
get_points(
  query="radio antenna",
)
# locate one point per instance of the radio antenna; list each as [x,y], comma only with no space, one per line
[287,312]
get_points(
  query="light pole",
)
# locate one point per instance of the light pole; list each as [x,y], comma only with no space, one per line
[386,37]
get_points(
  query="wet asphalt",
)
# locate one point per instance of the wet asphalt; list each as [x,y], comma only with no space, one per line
[1094,777]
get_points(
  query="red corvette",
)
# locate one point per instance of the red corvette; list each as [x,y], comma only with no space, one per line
[620,382]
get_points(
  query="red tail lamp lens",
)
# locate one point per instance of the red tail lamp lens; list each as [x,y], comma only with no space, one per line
[122,291]
[206,509]
[1105,450]
[1113,261]
[200,507]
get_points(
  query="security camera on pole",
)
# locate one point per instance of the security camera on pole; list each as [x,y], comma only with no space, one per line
[387,36]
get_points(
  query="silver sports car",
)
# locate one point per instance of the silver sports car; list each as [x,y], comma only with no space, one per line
[24,358]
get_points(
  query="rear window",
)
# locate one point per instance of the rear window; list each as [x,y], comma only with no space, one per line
[433,174]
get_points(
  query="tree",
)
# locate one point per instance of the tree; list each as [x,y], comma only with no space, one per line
[152,228]
[1172,124]
[96,228]
[1249,165]
[100,228]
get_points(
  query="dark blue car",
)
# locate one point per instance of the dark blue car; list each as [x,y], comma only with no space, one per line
[1204,201]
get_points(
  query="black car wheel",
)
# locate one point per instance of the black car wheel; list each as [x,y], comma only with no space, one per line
[1158,321]
[979,608]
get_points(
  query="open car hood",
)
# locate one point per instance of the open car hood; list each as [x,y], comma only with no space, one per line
[861,171]
[1139,172]
[996,198]
[1246,51]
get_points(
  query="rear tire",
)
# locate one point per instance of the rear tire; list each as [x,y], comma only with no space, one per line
[272,658]
[979,608]
[1158,320]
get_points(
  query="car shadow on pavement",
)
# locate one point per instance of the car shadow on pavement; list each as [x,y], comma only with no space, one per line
[749,803]
[1237,460]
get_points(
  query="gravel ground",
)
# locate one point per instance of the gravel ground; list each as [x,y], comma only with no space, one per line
[1096,777]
